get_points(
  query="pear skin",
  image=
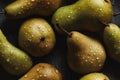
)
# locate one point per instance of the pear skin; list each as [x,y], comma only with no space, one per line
[42,71]
[12,59]
[83,15]
[85,54]
[95,76]
[111,38]
[37,37]
[24,8]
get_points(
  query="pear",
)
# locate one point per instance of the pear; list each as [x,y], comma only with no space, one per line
[24,8]
[12,59]
[95,76]
[84,15]
[111,38]
[37,37]
[85,54]
[42,71]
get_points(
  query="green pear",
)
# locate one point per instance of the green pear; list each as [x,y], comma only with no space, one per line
[12,59]
[42,71]
[83,15]
[95,76]
[37,37]
[85,54]
[111,38]
[24,8]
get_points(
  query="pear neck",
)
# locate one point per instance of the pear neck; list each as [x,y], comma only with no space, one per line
[2,37]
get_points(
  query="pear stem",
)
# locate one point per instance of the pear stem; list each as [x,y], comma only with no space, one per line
[2,11]
[116,13]
[65,31]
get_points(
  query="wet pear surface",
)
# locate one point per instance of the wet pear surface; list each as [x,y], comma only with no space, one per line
[13,60]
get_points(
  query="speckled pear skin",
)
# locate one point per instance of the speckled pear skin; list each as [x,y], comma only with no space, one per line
[42,71]
[95,76]
[84,15]
[12,59]
[111,38]
[37,37]
[24,8]
[85,54]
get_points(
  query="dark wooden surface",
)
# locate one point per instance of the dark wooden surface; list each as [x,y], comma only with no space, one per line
[58,56]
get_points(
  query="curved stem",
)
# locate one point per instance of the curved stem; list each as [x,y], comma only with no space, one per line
[65,31]
[106,24]
[116,13]
[2,11]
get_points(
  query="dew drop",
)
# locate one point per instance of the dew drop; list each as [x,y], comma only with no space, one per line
[86,60]
[32,0]
[69,16]
[45,75]
[48,3]
[33,79]
[8,60]
[25,76]
[56,71]
[97,58]
[40,75]
[37,70]
[100,65]
[16,68]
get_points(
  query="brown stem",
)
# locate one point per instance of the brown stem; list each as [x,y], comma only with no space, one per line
[65,31]
[116,13]
[2,11]
[106,24]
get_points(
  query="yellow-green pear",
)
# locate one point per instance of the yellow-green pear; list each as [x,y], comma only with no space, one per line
[12,59]
[37,37]
[24,8]
[86,15]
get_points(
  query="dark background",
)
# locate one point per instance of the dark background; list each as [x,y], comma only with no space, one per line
[58,56]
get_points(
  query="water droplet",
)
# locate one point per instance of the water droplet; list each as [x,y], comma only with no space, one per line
[69,16]
[45,75]
[8,60]
[100,65]
[19,12]
[32,0]
[25,76]
[38,70]
[97,58]
[56,19]
[46,45]
[16,68]
[40,75]
[86,60]
[48,3]
[33,79]
[56,71]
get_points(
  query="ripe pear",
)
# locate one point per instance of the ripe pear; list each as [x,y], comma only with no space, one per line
[85,54]
[95,76]
[84,15]
[12,59]
[37,37]
[42,71]
[111,38]
[24,8]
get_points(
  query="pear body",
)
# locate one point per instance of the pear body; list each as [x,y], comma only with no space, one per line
[112,41]
[95,76]
[83,15]
[37,37]
[85,54]
[24,8]
[12,59]
[42,71]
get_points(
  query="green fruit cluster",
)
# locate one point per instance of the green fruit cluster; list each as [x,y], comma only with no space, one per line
[37,38]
